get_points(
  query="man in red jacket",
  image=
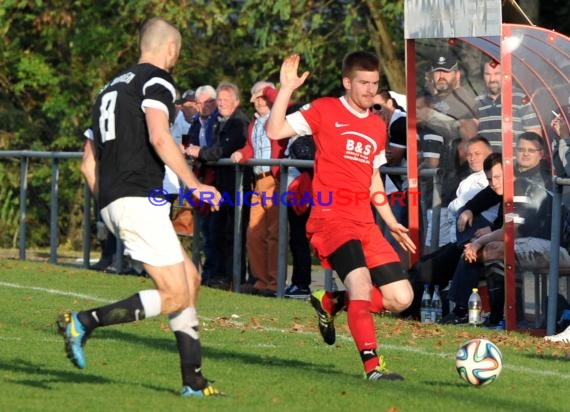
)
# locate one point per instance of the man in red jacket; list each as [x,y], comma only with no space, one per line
[263,228]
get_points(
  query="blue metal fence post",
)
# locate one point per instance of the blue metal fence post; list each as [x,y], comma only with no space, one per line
[86,226]
[436,211]
[24,162]
[53,210]
[283,234]
[554,259]
[119,256]
[329,285]
[237,230]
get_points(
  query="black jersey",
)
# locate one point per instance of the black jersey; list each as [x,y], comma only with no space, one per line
[127,162]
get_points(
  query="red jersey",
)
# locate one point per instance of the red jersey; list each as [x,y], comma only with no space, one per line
[350,145]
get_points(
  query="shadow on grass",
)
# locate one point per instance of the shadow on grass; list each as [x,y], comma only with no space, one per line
[223,355]
[563,356]
[479,398]
[41,377]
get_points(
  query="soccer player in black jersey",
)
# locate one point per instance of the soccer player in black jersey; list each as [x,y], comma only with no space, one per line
[132,142]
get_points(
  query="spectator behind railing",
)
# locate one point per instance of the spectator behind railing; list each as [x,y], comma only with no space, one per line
[478,149]
[229,135]
[533,205]
[299,183]
[489,106]
[200,135]
[263,227]
[386,107]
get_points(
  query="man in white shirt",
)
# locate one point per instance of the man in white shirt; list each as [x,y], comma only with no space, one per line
[478,148]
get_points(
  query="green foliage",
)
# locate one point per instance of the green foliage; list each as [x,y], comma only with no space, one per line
[55,55]
[8,216]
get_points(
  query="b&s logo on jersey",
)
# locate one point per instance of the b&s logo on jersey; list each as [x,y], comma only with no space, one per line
[359,147]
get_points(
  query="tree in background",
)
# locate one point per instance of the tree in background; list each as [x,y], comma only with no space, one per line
[56,55]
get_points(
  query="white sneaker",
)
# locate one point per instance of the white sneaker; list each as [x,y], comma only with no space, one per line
[563,336]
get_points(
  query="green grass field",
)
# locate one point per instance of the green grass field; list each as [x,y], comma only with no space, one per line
[266,354]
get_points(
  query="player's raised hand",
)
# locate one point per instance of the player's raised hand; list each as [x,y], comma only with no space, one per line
[289,76]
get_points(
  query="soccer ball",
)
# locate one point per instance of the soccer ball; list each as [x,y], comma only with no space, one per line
[478,362]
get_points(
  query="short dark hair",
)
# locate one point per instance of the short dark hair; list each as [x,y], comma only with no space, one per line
[480,139]
[532,137]
[492,160]
[359,61]
[385,94]
[490,61]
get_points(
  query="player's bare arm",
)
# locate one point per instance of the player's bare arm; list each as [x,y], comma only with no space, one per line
[89,166]
[166,148]
[277,127]
[399,231]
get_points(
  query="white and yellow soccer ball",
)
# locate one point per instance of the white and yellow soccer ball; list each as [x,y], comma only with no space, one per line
[479,362]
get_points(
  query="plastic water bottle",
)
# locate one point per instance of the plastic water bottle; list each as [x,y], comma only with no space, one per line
[475,307]
[425,308]
[436,306]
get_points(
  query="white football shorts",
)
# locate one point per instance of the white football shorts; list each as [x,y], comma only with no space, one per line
[145,229]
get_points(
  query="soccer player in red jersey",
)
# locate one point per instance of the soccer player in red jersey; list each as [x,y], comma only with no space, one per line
[350,144]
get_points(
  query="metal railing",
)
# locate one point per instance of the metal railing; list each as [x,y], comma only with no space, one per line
[284,165]
[25,156]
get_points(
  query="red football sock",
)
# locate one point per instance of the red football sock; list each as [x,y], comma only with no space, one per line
[328,302]
[334,302]
[361,327]
[377,304]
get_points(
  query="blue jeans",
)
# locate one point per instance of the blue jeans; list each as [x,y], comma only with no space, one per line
[466,276]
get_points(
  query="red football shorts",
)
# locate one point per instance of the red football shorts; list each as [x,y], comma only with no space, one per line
[327,235]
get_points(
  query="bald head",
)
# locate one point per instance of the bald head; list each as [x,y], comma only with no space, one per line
[160,43]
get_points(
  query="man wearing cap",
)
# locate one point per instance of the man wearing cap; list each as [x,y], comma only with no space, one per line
[263,227]
[453,105]
[450,117]
[187,109]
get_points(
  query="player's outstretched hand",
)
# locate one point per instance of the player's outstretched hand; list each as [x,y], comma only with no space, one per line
[289,77]
[210,195]
[400,233]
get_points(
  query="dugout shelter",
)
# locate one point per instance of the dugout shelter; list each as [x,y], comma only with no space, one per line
[534,62]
